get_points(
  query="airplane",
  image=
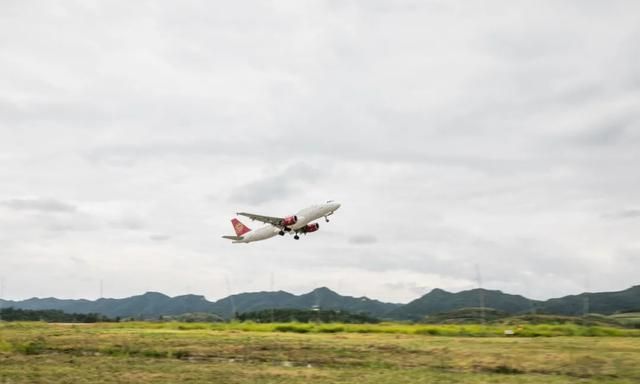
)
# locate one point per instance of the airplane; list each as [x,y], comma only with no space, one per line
[296,224]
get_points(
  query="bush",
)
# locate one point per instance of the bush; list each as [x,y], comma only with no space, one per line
[428,331]
[34,347]
[292,328]
[181,354]
[331,329]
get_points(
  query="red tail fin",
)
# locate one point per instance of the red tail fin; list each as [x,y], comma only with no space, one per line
[240,228]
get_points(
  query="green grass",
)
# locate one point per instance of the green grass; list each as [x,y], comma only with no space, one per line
[315,353]
[469,330]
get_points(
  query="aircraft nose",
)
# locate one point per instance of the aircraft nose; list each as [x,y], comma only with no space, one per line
[336,206]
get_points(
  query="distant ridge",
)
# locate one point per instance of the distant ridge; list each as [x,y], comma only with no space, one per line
[600,302]
[152,305]
[321,297]
[439,300]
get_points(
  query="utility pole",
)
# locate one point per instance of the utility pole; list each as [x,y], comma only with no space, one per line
[585,300]
[271,287]
[233,304]
[585,305]
[479,279]
[1,295]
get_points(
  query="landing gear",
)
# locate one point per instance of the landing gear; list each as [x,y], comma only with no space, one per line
[296,237]
[281,233]
[326,219]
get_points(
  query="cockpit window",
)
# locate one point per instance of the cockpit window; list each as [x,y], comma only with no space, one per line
[329,201]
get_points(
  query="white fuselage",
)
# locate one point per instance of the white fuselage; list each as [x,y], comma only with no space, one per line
[314,212]
[262,233]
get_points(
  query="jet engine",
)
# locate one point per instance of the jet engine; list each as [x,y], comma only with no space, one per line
[289,220]
[312,227]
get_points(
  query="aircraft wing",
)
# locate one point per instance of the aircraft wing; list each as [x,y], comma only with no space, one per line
[275,221]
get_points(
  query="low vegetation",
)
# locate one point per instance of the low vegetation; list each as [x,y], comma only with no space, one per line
[495,317]
[629,319]
[314,353]
[471,315]
[197,317]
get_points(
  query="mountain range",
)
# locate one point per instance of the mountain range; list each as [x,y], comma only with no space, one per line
[153,304]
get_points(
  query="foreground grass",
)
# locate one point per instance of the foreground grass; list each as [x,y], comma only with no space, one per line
[254,353]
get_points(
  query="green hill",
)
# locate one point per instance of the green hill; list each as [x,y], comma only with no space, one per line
[438,301]
[605,303]
[321,298]
[151,305]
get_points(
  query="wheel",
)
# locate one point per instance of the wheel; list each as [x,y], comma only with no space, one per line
[296,237]
[281,233]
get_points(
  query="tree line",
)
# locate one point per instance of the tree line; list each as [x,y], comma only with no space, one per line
[51,316]
[286,315]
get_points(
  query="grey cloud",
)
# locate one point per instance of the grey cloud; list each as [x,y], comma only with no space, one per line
[262,191]
[159,238]
[129,154]
[77,222]
[78,260]
[280,185]
[630,213]
[611,131]
[71,226]
[605,135]
[128,223]
[403,150]
[44,205]
[363,239]
[417,289]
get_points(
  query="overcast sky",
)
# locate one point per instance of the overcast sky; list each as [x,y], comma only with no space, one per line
[460,137]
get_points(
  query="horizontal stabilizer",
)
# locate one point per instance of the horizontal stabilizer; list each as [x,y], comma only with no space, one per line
[233,237]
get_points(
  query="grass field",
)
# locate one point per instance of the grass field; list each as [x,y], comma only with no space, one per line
[310,353]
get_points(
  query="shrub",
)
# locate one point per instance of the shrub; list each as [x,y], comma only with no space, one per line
[331,329]
[181,354]
[292,328]
[34,347]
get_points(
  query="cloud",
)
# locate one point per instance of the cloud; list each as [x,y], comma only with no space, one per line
[279,185]
[630,213]
[159,238]
[415,289]
[129,223]
[45,205]
[612,131]
[363,239]
[454,136]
